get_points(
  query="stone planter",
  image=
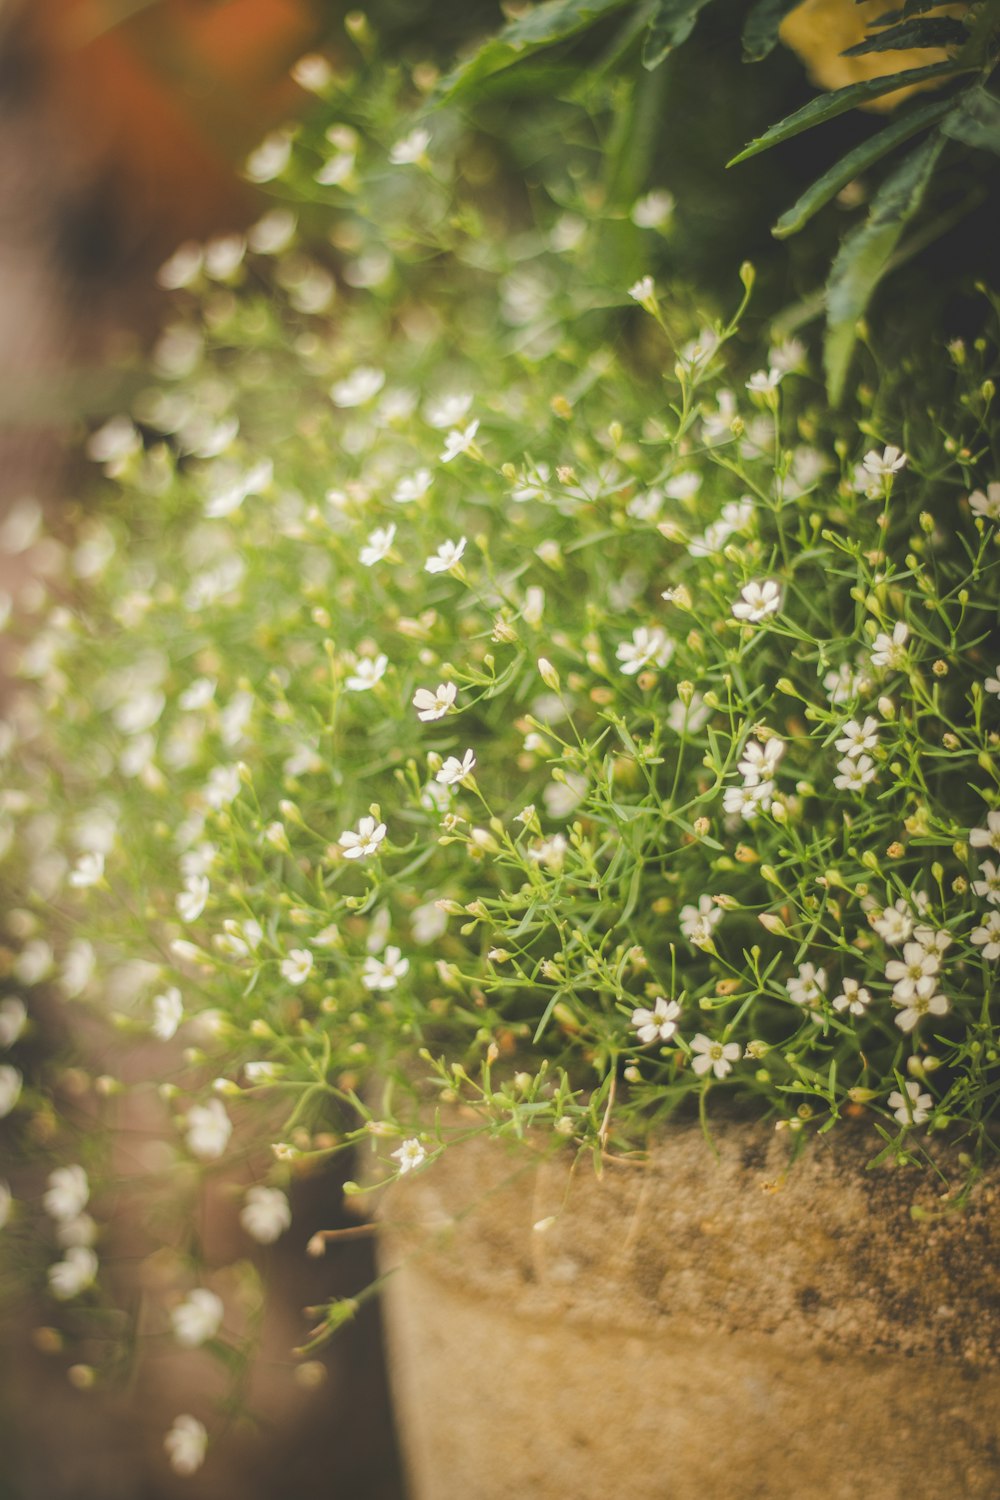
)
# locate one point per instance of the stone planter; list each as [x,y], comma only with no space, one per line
[693,1328]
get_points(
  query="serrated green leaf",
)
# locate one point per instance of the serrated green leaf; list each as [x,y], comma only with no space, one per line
[551,22]
[935,31]
[975,120]
[859,160]
[864,254]
[760,30]
[672,23]
[828,106]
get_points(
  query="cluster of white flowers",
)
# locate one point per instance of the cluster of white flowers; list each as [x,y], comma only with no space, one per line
[65,1201]
[757,767]
[857,768]
[987,935]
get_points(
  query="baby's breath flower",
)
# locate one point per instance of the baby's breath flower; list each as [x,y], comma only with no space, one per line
[988,837]
[856,738]
[168,1013]
[889,461]
[895,923]
[911,1107]
[660,1023]
[697,923]
[758,600]
[653,211]
[13,1019]
[808,986]
[987,506]
[198,1318]
[378,546]
[760,760]
[854,774]
[74,1273]
[367,672]
[190,903]
[386,972]
[453,770]
[713,1056]
[358,388]
[265,1214]
[364,841]
[447,556]
[409,1155]
[643,291]
[411,149]
[208,1130]
[908,973]
[434,705]
[67,1194]
[297,967]
[458,441]
[921,1003]
[11,1083]
[186,1444]
[989,886]
[889,651]
[88,871]
[649,647]
[987,936]
[412,487]
[853,998]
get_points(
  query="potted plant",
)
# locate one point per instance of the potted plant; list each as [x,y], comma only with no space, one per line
[497,703]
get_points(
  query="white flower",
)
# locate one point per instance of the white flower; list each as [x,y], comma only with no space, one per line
[434,705]
[297,967]
[67,1194]
[654,210]
[224,256]
[855,738]
[889,651]
[649,647]
[365,841]
[854,774]
[988,837]
[10,1088]
[987,506]
[758,600]
[270,158]
[853,998]
[760,760]
[185,1444]
[411,149]
[334,173]
[843,684]
[992,684]
[907,972]
[643,291]
[13,1019]
[273,232]
[378,546]
[453,770]
[890,461]
[931,941]
[448,411]
[911,1108]
[208,1129]
[182,268]
[198,1318]
[748,801]
[168,1013]
[895,923]
[987,937]
[920,1004]
[447,556]
[459,440]
[409,1155]
[989,886]
[763,382]
[366,673]
[88,871]
[550,852]
[808,986]
[428,923]
[191,902]
[788,356]
[697,922]
[412,487]
[79,1231]
[715,1056]
[265,1214]
[34,962]
[74,1273]
[697,354]
[561,797]
[223,786]
[362,385]
[660,1022]
[312,72]
[386,972]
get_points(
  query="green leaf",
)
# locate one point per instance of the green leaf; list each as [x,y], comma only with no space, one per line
[863,156]
[975,120]
[760,31]
[935,31]
[828,106]
[864,254]
[551,22]
[672,23]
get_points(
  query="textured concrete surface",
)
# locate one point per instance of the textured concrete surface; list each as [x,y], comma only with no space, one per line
[694,1328]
